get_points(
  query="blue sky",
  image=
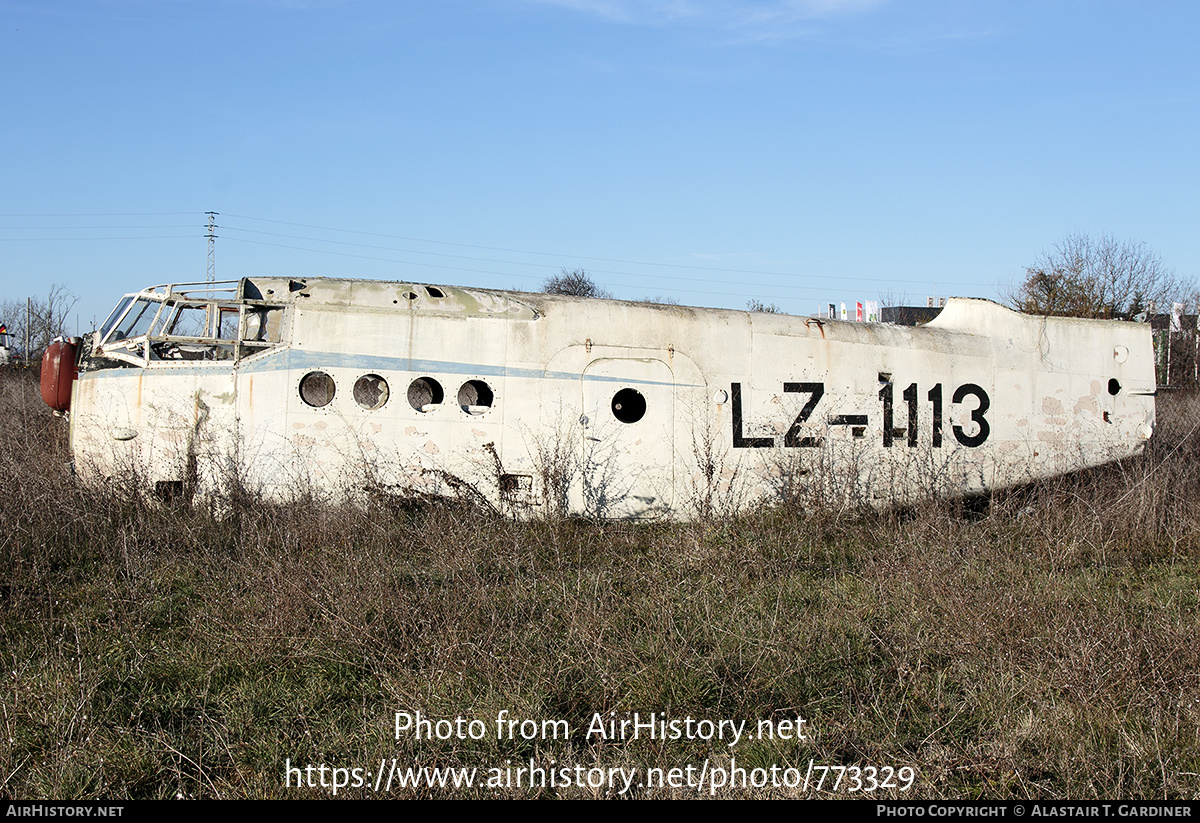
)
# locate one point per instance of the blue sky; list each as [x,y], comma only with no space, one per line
[798,152]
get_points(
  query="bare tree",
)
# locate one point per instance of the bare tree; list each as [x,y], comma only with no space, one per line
[574,283]
[767,308]
[1096,277]
[44,318]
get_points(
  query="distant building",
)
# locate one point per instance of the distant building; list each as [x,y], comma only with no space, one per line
[908,315]
[1162,322]
[1176,349]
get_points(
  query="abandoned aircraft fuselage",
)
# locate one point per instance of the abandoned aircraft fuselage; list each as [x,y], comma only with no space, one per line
[537,402]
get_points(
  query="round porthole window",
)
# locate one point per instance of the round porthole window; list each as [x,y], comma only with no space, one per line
[424,393]
[371,392]
[317,389]
[475,397]
[628,405]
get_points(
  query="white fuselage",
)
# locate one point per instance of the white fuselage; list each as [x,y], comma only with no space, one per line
[599,407]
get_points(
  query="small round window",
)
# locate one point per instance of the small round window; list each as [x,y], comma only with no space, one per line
[317,389]
[371,392]
[628,405]
[425,392]
[475,397]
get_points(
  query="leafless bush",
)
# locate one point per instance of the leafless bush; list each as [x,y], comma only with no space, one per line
[556,460]
[756,305]
[718,487]
[38,320]
[574,283]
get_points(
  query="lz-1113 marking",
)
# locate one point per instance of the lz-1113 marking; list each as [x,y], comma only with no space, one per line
[534,402]
[795,439]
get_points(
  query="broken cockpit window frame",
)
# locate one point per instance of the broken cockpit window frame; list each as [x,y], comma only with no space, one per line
[116,315]
[123,335]
[185,331]
[169,324]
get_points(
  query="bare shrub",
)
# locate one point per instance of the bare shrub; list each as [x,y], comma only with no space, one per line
[755,305]
[38,320]
[575,283]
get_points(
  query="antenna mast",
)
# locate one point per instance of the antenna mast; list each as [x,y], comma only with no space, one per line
[212,265]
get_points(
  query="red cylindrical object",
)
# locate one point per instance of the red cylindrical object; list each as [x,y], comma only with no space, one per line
[58,373]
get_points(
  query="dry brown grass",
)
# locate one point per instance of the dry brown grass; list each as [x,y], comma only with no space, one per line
[1042,645]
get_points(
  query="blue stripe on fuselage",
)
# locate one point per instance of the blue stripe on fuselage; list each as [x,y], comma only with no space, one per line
[303,360]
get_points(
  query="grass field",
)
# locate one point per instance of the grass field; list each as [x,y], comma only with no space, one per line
[1040,644]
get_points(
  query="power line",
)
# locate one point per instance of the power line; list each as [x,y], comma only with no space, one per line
[806,291]
[66,228]
[559,255]
[106,214]
[180,226]
[145,237]
[544,253]
[799,285]
[838,278]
